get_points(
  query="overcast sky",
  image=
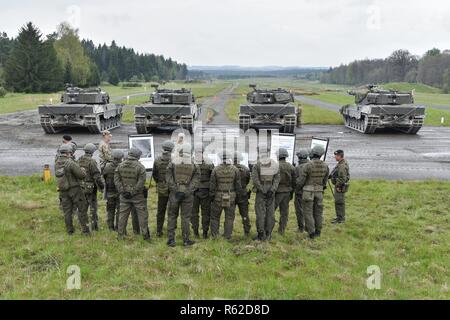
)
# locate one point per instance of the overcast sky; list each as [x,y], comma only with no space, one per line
[247,32]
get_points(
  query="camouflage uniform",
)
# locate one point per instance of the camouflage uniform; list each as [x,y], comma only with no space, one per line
[284,192]
[182,178]
[302,161]
[130,179]
[69,176]
[111,194]
[225,184]
[202,199]
[266,177]
[159,175]
[242,198]
[105,154]
[313,182]
[340,176]
[92,181]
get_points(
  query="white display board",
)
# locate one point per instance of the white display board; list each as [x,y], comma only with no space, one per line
[286,141]
[323,142]
[143,142]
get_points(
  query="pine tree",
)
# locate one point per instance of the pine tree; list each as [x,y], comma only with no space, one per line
[113,77]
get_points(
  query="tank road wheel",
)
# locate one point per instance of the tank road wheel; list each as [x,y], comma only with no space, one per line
[244,122]
[46,124]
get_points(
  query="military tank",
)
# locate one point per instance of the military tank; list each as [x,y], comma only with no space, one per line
[269,108]
[377,108]
[167,108]
[89,108]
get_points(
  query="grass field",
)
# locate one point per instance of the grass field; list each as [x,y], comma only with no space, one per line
[405,231]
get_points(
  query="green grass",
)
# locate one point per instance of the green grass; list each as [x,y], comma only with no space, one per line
[405,86]
[403,227]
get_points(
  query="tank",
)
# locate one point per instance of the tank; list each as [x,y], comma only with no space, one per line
[167,108]
[87,108]
[377,108]
[269,108]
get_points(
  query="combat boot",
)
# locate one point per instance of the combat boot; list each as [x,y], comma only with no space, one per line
[188,243]
[337,221]
[312,235]
[205,235]
[171,243]
[301,229]
[268,236]
[147,236]
[94,226]
[259,237]
[159,234]
[317,233]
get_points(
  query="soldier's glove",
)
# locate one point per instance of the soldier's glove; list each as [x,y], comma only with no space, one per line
[127,195]
[180,195]
[269,194]
[145,191]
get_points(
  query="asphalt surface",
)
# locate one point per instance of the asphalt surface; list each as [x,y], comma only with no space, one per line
[25,148]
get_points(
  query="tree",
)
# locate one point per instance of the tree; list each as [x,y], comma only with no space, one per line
[113,76]
[68,78]
[32,65]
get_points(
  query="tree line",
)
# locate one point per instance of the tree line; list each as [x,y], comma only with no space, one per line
[433,69]
[36,63]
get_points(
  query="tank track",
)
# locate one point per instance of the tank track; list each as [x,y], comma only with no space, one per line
[46,125]
[290,122]
[367,125]
[244,122]
[98,125]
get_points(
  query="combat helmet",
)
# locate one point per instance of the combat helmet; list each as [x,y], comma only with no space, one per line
[317,151]
[117,155]
[168,146]
[65,148]
[135,153]
[283,153]
[303,154]
[90,148]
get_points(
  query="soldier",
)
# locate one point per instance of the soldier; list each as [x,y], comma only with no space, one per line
[69,176]
[201,196]
[112,196]
[313,182]
[92,181]
[340,176]
[302,161]
[225,184]
[130,179]
[243,198]
[266,177]
[182,179]
[105,149]
[159,175]
[285,191]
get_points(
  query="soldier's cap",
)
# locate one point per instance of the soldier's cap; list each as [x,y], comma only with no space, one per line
[339,152]
[65,148]
[117,154]
[66,137]
[107,133]
[135,153]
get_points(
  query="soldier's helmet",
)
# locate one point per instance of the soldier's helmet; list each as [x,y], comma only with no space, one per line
[283,153]
[317,151]
[238,156]
[303,154]
[90,148]
[168,146]
[185,150]
[117,155]
[65,148]
[135,153]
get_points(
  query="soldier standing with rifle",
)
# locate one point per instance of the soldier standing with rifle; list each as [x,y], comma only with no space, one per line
[112,196]
[159,175]
[69,176]
[182,178]
[285,189]
[243,198]
[130,179]
[340,176]
[266,177]
[302,161]
[92,182]
[313,182]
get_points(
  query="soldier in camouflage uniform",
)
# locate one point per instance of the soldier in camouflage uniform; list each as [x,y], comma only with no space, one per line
[130,179]
[69,176]
[313,182]
[201,196]
[225,184]
[159,175]
[285,191]
[182,178]
[340,176]
[302,161]
[243,198]
[92,182]
[266,177]
[105,149]
[112,196]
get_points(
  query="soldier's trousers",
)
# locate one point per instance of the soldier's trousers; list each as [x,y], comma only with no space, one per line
[203,203]
[112,210]
[265,214]
[242,205]
[139,204]
[299,210]
[282,200]
[161,213]
[216,212]
[339,204]
[72,201]
[175,206]
[93,207]
[312,206]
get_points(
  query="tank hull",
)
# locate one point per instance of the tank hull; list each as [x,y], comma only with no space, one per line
[369,118]
[96,118]
[283,117]
[153,116]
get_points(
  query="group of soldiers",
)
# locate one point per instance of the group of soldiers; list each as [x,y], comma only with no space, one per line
[192,187]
